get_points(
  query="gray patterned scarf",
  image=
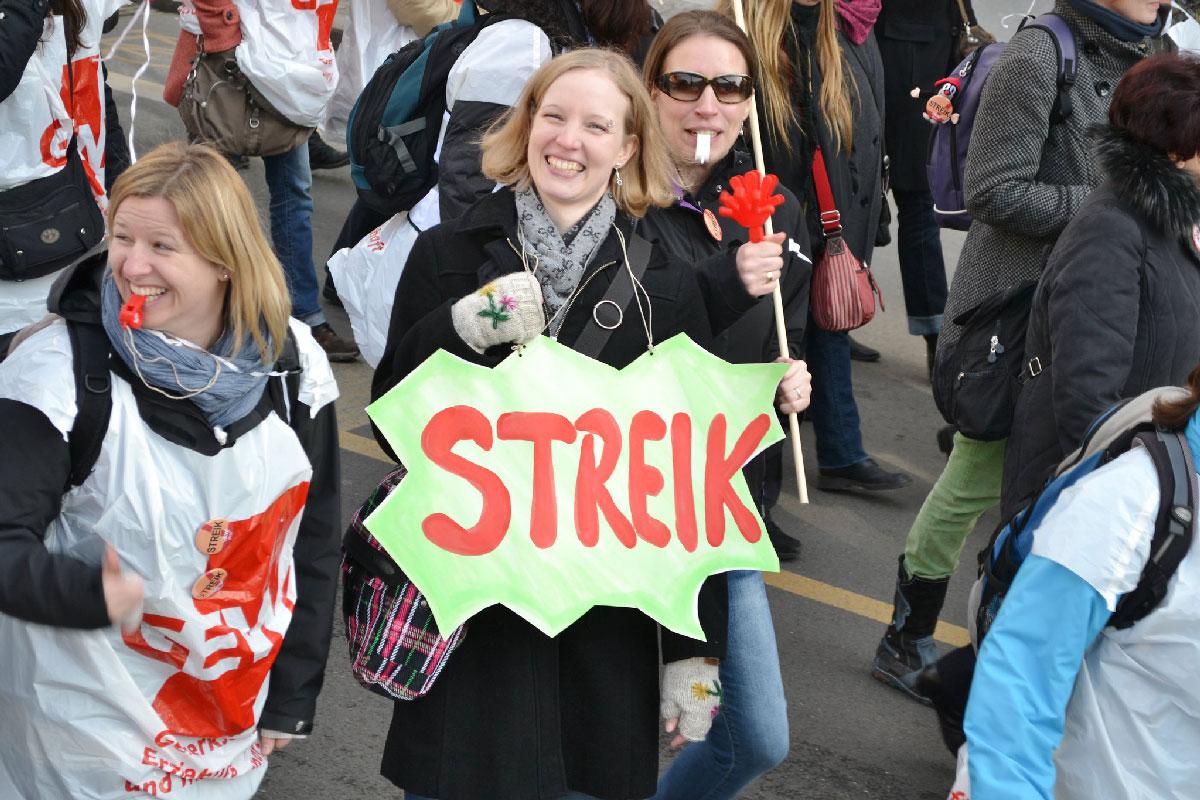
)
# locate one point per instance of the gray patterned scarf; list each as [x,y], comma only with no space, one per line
[561,257]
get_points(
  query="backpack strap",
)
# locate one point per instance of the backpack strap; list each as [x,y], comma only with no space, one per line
[285,391]
[1172,528]
[620,292]
[93,397]
[1068,63]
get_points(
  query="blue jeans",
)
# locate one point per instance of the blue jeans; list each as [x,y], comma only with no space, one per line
[749,735]
[833,412]
[922,269]
[289,181]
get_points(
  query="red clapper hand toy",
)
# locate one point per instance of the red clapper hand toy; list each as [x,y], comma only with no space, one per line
[751,203]
[131,312]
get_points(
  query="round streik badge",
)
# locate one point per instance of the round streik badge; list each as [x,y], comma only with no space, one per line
[209,583]
[710,222]
[213,536]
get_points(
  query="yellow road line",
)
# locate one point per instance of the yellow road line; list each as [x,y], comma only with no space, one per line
[364,446]
[855,603]
[825,593]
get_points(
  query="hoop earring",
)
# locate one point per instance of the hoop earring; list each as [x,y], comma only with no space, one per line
[617,172]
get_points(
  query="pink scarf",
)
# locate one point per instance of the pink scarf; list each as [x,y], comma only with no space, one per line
[858,17]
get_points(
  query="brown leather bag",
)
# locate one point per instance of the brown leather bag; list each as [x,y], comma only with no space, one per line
[843,289]
[221,108]
[969,36]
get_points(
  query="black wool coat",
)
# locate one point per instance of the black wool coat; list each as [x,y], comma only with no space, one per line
[1117,310]
[917,43]
[745,325]
[855,175]
[518,715]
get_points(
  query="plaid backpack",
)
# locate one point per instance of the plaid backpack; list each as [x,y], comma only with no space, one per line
[396,649]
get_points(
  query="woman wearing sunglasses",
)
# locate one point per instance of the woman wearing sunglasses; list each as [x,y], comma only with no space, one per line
[823,86]
[701,72]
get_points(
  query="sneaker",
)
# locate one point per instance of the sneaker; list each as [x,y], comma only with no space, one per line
[787,548]
[866,475]
[860,352]
[336,348]
[322,156]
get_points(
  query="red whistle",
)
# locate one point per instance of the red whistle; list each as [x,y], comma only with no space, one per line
[751,203]
[131,312]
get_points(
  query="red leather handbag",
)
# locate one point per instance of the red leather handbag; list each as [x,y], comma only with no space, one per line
[843,289]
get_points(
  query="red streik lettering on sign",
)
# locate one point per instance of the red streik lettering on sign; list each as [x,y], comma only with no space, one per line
[592,498]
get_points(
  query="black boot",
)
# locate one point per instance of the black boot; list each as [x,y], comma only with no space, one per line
[907,647]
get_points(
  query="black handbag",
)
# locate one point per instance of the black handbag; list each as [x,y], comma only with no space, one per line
[975,386]
[49,222]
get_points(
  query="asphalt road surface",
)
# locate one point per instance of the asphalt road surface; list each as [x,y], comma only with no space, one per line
[850,736]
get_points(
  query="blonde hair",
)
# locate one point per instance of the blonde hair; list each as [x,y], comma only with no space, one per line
[767,23]
[221,224]
[646,176]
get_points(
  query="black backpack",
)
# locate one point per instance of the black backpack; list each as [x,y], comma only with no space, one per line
[394,126]
[976,386]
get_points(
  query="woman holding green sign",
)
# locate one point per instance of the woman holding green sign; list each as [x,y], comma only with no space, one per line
[518,715]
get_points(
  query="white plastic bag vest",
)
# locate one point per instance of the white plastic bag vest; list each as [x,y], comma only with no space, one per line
[172,709]
[286,53]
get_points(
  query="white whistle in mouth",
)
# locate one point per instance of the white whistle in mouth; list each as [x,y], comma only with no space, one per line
[703,144]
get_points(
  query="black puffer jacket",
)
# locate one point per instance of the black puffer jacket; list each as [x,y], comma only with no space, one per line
[518,715]
[1117,310]
[746,324]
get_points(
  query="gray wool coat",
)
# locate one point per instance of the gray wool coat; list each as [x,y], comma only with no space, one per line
[1025,179]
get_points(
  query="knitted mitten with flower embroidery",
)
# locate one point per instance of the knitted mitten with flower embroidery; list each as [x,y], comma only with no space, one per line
[507,310]
[691,693]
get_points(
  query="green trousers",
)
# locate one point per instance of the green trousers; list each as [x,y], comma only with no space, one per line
[968,486]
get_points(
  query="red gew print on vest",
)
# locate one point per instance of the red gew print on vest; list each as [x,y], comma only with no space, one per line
[86,108]
[213,693]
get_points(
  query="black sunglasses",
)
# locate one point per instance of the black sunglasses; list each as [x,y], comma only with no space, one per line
[688,86]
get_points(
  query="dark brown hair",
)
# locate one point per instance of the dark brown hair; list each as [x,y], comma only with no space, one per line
[1174,415]
[1157,103]
[617,23]
[696,23]
[74,18]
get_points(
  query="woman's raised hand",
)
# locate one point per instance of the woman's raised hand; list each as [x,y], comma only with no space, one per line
[759,264]
[506,311]
[795,390]
[122,593]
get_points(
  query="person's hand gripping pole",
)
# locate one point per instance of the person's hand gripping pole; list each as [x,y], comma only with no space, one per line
[751,205]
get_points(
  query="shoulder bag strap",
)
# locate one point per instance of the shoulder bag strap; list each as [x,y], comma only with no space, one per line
[831,218]
[620,292]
